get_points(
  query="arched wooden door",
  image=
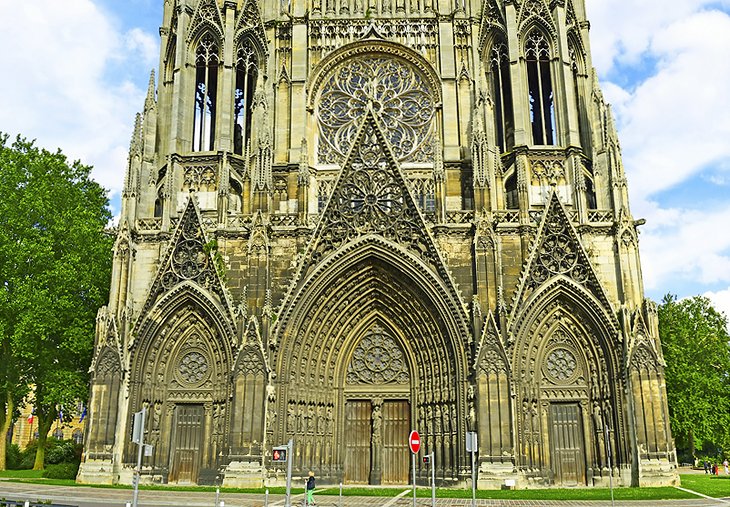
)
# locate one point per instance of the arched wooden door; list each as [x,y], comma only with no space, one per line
[377,410]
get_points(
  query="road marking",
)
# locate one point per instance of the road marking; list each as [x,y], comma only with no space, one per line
[720,500]
[398,497]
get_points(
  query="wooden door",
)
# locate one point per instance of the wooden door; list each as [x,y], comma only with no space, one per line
[186,449]
[358,429]
[396,427]
[567,450]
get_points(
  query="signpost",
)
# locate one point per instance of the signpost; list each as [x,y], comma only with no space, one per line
[428,459]
[471,446]
[608,453]
[281,454]
[138,438]
[414,442]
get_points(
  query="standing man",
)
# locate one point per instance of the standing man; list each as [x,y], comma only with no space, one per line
[310,489]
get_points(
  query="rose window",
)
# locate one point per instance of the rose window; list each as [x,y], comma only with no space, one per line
[561,365]
[398,96]
[193,367]
[377,360]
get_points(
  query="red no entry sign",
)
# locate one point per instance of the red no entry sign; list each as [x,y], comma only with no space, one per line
[414,442]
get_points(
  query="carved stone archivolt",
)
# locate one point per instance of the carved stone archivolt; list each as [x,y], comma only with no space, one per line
[377,360]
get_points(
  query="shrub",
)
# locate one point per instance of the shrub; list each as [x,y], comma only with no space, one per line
[13,457]
[61,471]
[64,451]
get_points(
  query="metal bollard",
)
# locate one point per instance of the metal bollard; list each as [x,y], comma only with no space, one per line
[128,504]
[27,503]
[340,504]
[266,499]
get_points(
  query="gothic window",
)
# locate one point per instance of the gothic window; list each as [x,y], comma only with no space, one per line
[78,436]
[424,192]
[577,65]
[590,194]
[467,191]
[541,96]
[399,96]
[247,70]
[58,434]
[324,191]
[510,189]
[502,92]
[206,90]
[159,203]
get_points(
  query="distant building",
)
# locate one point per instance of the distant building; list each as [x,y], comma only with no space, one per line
[25,427]
[345,219]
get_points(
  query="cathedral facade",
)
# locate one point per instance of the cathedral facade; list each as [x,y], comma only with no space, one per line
[346,219]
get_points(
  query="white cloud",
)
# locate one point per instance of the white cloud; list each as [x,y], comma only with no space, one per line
[686,245]
[139,41]
[62,90]
[672,131]
[720,300]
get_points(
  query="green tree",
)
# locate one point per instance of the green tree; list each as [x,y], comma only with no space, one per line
[696,348]
[55,258]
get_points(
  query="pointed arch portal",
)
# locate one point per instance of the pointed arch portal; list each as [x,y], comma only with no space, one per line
[372,347]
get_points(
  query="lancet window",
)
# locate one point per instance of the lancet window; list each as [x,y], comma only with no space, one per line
[510,190]
[541,96]
[206,91]
[502,92]
[247,69]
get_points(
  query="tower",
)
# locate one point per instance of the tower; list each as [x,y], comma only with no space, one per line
[343,219]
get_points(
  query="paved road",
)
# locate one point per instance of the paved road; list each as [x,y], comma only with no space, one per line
[99,497]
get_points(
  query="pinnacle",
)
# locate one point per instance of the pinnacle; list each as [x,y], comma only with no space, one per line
[149,102]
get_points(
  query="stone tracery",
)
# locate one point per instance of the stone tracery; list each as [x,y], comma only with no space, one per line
[398,95]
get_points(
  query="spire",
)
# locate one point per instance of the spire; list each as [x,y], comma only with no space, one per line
[150,102]
[135,145]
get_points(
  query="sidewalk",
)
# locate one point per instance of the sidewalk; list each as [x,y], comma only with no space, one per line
[101,497]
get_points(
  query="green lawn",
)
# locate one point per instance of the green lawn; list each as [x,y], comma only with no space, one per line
[22,474]
[716,486]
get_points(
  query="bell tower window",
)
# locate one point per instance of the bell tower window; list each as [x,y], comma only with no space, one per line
[541,97]
[502,91]
[206,90]
[246,75]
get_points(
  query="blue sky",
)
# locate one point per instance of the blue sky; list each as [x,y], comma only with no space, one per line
[81,69]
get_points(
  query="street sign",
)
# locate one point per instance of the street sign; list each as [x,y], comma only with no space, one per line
[138,427]
[278,454]
[148,449]
[427,459]
[471,441]
[414,442]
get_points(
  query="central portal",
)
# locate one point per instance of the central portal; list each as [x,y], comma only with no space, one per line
[376,450]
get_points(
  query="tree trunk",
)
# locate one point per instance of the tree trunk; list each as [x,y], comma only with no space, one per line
[691,442]
[6,420]
[45,421]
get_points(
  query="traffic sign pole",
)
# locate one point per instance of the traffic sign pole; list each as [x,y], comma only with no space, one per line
[433,480]
[138,436]
[414,442]
[290,458]
[413,456]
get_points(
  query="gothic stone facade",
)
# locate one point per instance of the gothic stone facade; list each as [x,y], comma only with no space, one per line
[344,219]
